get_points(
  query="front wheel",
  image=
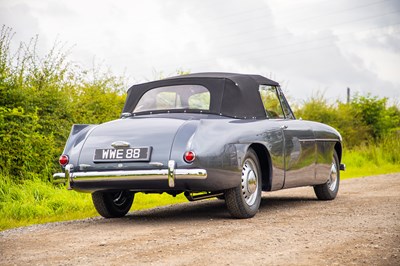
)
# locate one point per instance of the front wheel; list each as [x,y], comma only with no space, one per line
[329,190]
[244,200]
[112,204]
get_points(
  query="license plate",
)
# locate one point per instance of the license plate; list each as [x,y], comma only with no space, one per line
[141,154]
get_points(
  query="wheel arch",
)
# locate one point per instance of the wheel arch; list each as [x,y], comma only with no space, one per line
[265,164]
[338,149]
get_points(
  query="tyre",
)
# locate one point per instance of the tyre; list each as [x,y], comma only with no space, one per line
[244,200]
[112,204]
[329,190]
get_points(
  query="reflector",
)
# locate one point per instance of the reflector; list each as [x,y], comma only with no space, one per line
[189,156]
[63,160]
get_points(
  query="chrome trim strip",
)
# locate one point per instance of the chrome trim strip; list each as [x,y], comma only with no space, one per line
[317,140]
[59,178]
[134,175]
[157,164]
[328,140]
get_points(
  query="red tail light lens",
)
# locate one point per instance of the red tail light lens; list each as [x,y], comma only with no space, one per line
[64,160]
[189,156]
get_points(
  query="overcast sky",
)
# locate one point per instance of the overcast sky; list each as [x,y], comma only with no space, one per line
[306,45]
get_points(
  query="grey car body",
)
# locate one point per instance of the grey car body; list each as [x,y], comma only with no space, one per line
[241,133]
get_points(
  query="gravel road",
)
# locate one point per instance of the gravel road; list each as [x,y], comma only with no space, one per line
[360,227]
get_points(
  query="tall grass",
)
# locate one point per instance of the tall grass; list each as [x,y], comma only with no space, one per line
[36,201]
[369,159]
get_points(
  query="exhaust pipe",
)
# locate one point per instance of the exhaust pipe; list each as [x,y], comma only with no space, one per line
[207,195]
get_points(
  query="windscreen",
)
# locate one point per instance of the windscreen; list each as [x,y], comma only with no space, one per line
[178,97]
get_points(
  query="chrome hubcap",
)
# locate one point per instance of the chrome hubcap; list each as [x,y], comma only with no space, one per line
[249,182]
[332,182]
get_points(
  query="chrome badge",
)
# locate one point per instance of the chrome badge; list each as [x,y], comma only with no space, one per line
[120,144]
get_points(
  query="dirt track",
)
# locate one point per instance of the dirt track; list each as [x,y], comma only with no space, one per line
[362,226]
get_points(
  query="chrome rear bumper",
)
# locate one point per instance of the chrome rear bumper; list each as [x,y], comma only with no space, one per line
[171,174]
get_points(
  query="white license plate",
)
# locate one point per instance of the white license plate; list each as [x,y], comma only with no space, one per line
[123,155]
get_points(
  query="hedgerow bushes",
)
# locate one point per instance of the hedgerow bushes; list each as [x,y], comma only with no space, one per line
[365,120]
[40,98]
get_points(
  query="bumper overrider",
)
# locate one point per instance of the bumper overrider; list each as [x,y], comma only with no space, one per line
[169,175]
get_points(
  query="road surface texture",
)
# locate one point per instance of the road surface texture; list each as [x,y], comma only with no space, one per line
[360,227]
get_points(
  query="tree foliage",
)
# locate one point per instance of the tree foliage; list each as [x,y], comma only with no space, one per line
[40,98]
[366,119]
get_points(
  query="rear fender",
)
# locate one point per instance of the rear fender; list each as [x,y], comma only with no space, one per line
[221,144]
[182,142]
[212,151]
[76,139]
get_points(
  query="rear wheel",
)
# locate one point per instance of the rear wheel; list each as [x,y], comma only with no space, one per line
[112,204]
[244,200]
[329,190]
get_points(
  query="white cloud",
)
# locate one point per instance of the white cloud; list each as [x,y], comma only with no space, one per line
[307,45]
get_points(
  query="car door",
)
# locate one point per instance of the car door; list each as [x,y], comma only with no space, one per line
[299,152]
[299,148]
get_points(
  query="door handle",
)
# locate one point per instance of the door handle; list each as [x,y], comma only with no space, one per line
[284,127]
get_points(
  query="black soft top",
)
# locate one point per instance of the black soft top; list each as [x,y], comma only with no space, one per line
[233,95]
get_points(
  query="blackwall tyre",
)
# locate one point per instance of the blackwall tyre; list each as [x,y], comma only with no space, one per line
[244,200]
[113,204]
[329,190]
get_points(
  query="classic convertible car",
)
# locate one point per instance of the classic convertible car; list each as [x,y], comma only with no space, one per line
[206,135]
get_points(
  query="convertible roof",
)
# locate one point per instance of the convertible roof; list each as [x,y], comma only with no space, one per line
[231,94]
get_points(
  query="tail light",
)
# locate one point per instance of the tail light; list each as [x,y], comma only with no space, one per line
[189,156]
[64,160]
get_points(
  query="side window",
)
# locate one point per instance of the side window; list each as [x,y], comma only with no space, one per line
[271,102]
[285,106]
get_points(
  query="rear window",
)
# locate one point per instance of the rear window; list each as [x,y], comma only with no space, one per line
[179,97]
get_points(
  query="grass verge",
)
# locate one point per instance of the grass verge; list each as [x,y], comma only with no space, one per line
[37,202]
[367,160]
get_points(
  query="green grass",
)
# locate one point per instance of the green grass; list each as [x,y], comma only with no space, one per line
[358,165]
[367,160]
[36,202]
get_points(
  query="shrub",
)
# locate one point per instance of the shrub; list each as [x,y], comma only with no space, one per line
[366,119]
[40,98]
